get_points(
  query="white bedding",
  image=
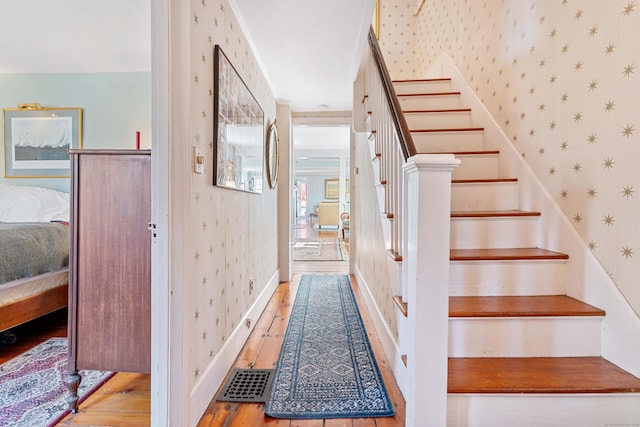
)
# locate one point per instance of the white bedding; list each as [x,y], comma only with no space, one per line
[20,203]
[32,204]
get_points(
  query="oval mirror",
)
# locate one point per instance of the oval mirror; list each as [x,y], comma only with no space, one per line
[272,155]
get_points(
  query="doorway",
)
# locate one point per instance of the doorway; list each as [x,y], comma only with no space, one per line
[319,179]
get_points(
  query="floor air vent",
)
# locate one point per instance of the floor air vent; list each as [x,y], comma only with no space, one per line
[247,385]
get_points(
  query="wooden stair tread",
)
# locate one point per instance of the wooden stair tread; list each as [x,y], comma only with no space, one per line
[490,214]
[447,130]
[468,153]
[465,153]
[479,181]
[428,94]
[402,306]
[435,111]
[504,254]
[394,255]
[435,79]
[539,375]
[520,306]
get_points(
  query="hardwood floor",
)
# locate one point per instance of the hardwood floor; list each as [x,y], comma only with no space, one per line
[122,401]
[125,399]
[261,352]
[35,332]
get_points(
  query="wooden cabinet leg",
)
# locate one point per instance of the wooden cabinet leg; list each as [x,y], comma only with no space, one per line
[73,382]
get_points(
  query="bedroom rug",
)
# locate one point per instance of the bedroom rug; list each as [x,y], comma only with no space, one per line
[32,388]
[326,368]
[317,250]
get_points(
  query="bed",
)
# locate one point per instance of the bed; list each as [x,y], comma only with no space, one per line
[34,253]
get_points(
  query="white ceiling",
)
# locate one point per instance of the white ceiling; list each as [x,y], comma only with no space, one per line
[75,36]
[310,49]
[331,138]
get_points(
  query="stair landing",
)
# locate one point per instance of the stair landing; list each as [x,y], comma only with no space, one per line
[539,375]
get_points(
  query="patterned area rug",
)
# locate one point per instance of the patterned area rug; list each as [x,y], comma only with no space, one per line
[326,367]
[317,250]
[32,388]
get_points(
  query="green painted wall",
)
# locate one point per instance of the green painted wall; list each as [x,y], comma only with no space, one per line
[114,106]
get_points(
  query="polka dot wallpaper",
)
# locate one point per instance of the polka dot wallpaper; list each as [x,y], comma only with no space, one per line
[562,78]
[231,233]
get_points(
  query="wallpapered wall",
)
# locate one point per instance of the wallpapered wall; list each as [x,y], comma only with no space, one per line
[232,233]
[369,254]
[562,78]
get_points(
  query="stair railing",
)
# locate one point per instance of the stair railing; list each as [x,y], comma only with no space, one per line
[393,144]
[414,193]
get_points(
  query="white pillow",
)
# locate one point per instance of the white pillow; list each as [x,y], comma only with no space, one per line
[32,204]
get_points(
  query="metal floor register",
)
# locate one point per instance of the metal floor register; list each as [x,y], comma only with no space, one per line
[247,385]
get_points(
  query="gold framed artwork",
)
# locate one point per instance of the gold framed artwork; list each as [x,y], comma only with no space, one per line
[36,140]
[331,188]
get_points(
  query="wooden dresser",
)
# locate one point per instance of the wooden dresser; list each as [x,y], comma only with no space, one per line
[110,264]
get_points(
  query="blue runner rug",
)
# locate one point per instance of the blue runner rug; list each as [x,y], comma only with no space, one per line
[326,367]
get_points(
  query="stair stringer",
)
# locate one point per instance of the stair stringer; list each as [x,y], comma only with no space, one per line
[587,280]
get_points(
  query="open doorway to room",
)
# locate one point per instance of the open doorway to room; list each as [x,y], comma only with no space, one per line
[321,193]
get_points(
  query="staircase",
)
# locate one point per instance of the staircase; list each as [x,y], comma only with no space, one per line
[521,352]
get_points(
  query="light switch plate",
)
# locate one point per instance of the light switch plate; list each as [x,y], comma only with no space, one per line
[198,160]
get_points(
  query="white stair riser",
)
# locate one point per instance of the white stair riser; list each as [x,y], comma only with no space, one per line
[494,232]
[438,120]
[476,166]
[440,102]
[372,145]
[536,410]
[367,123]
[435,145]
[484,196]
[380,192]
[524,337]
[386,230]
[468,139]
[375,164]
[422,86]
[503,278]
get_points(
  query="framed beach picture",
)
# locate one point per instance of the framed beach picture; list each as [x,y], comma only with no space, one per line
[37,140]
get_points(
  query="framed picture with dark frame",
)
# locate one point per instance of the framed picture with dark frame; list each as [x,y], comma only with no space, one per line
[36,140]
[238,130]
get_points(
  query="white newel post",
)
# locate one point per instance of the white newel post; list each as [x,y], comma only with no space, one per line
[428,216]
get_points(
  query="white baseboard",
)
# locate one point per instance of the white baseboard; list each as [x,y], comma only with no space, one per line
[389,344]
[213,376]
